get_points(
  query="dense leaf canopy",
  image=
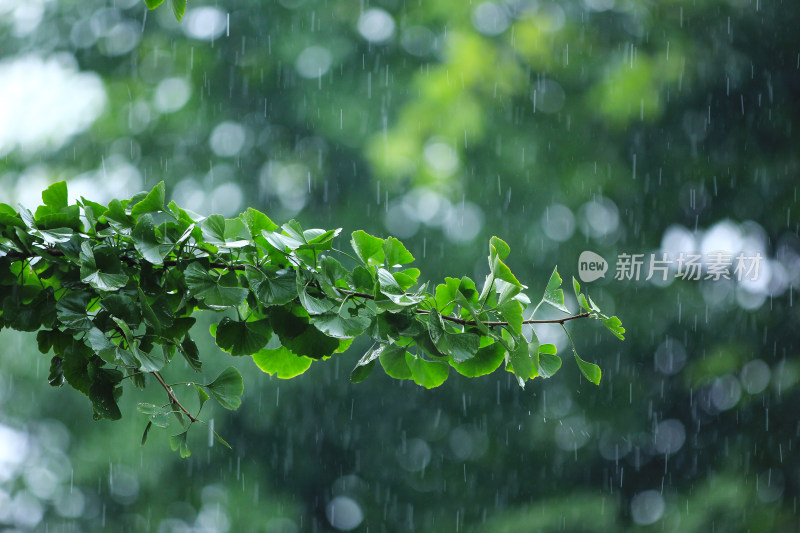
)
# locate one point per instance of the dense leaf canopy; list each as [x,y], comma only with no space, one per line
[112,291]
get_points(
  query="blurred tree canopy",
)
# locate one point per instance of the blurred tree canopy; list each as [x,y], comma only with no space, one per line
[616,126]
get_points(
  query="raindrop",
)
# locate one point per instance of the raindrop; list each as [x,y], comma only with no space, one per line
[670,356]
[725,392]
[70,503]
[414,455]
[401,220]
[171,95]
[44,102]
[572,433]
[376,25]
[120,39]
[613,447]
[204,23]
[669,436]
[490,18]
[598,217]
[313,62]
[556,402]
[227,199]
[344,513]
[755,376]
[27,510]
[647,507]
[464,223]
[228,139]
[558,222]
[441,158]
[418,40]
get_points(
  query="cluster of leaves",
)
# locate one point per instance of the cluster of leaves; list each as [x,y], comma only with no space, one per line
[112,291]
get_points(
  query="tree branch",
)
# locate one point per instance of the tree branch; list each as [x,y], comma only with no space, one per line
[172,397]
[456,320]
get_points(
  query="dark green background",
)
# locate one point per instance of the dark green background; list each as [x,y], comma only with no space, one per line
[668,113]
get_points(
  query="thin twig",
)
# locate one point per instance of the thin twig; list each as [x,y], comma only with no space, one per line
[465,322]
[172,397]
[239,267]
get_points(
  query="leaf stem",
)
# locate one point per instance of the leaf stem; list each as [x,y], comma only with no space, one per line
[172,397]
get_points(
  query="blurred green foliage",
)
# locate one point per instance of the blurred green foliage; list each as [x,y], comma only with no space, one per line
[611,126]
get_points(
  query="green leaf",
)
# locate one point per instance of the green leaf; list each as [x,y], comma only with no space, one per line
[522,359]
[590,370]
[55,196]
[146,432]
[395,253]
[71,310]
[318,239]
[104,393]
[485,361]
[362,280]
[214,290]
[281,362]
[56,236]
[126,331]
[314,306]
[429,374]
[392,290]
[511,312]
[549,362]
[152,4]
[227,389]
[178,8]
[157,414]
[56,376]
[576,287]
[583,303]
[150,362]
[146,242]
[256,222]
[277,289]
[153,202]
[148,314]
[117,218]
[124,307]
[368,248]
[214,229]
[101,268]
[365,365]
[498,251]
[446,294]
[44,340]
[202,396]
[178,443]
[99,342]
[614,325]
[553,295]
[501,248]
[298,335]
[75,366]
[473,314]
[178,329]
[460,346]
[341,326]
[393,361]
[242,338]
[191,353]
